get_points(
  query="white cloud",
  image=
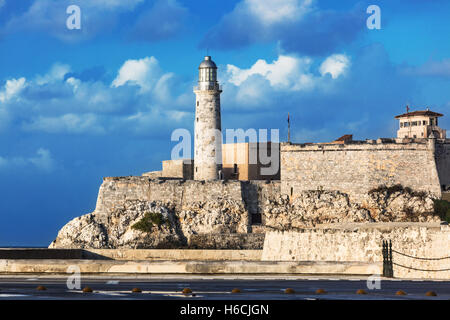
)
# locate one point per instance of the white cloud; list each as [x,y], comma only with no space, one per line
[57,103]
[270,12]
[335,65]
[263,84]
[56,73]
[145,73]
[286,72]
[43,160]
[12,88]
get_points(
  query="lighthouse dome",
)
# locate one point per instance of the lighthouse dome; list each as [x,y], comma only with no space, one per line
[207,63]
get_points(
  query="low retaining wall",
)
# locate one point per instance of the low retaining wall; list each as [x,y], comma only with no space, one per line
[129,254]
[185,267]
[173,255]
[40,253]
[362,242]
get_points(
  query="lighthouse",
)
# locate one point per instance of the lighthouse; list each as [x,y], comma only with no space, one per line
[208,137]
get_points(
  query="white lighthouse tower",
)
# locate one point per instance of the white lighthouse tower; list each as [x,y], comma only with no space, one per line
[208,137]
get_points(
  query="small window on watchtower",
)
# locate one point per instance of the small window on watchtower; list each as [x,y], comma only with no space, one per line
[198,103]
[197,119]
[292,191]
[235,168]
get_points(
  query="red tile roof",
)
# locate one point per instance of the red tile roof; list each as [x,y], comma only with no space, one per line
[345,137]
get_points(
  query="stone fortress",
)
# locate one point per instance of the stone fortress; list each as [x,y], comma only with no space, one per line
[353,167]
[212,204]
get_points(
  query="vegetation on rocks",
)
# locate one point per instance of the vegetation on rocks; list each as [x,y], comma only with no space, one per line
[149,220]
[442,209]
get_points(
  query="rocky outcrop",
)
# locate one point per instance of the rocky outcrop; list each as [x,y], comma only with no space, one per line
[114,229]
[215,214]
[312,208]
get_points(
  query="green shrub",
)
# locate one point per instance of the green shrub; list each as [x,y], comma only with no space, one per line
[148,221]
[442,209]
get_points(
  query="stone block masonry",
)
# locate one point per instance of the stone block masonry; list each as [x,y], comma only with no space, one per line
[357,167]
[116,190]
[362,242]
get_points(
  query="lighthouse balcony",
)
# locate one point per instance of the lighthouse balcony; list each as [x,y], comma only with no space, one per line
[208,86]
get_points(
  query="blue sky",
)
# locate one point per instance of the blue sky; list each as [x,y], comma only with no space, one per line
[78,105]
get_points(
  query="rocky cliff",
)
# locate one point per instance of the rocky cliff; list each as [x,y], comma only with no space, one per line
[312,208]
[138,212]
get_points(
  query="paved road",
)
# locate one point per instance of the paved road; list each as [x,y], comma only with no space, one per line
[211,288]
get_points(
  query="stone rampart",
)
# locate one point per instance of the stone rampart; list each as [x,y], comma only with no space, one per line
[360,166]
[362,242]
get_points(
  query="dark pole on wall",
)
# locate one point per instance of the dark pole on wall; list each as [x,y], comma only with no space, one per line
[289,129]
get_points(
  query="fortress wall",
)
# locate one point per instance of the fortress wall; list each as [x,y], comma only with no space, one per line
[116,190]
[363,243]
[356,168]
[443,163]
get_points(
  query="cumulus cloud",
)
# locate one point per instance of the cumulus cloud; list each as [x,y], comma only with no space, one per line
[270,12]
[141,99]
[143,72]
[56,73]
[335,65]
[12,88]
[287,73]
[42,160]
[299,26]
[284,72]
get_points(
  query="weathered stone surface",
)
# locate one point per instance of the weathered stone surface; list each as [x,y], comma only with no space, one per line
[356,167]
[363,242]
[311,208]
[94,231]
[241,241]
[217,207]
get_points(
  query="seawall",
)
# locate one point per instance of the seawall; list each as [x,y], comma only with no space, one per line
[363,243]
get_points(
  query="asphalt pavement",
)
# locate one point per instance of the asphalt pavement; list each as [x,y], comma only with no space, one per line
[219,288]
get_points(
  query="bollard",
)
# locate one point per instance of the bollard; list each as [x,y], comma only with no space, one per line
[187,291]
[87,290]
[289,291]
